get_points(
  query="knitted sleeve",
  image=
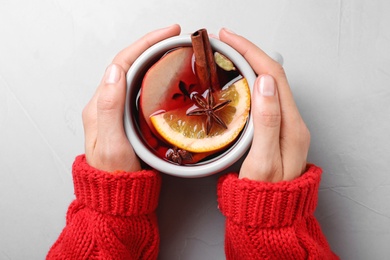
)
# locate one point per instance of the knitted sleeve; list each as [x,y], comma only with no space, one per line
[272,220]
[112,217]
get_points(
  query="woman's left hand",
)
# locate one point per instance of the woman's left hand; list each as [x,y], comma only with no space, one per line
[106,145]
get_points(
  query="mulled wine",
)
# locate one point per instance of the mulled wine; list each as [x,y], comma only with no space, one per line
[192,103]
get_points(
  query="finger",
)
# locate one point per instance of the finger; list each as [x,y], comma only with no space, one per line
[276,56]
[113,150]
[258,59]
[110,103]
[127,56]
[295,137]
[264,162]
[104,109]
[263,64]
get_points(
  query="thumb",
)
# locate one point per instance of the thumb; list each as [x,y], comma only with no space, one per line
[112,150]
[263,162]
[110,102]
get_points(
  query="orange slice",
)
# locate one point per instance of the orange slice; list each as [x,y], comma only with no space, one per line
[189,132]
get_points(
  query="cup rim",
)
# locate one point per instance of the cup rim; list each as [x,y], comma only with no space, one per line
[215,165]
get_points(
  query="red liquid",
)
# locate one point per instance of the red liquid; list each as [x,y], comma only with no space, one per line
[179,97]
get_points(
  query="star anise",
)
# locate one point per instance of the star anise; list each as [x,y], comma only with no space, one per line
[206,106]
[178,156]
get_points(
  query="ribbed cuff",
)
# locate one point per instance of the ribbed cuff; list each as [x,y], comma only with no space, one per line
[124,194]
[268,205]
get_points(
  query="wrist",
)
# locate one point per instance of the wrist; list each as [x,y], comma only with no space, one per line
[252,170]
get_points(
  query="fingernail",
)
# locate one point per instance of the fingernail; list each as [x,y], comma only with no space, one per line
[266,85]
[112,74]
[229,31]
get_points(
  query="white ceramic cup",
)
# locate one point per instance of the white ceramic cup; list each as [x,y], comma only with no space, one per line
[134,78]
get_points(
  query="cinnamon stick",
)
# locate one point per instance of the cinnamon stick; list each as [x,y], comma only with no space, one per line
[205,67]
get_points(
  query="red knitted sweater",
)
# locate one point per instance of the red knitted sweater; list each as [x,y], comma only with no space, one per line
[113,217]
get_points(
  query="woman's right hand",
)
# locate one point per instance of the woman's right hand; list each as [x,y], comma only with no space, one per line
[281,139]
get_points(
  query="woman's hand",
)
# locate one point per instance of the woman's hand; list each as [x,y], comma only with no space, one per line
[281,139]
[106,145]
